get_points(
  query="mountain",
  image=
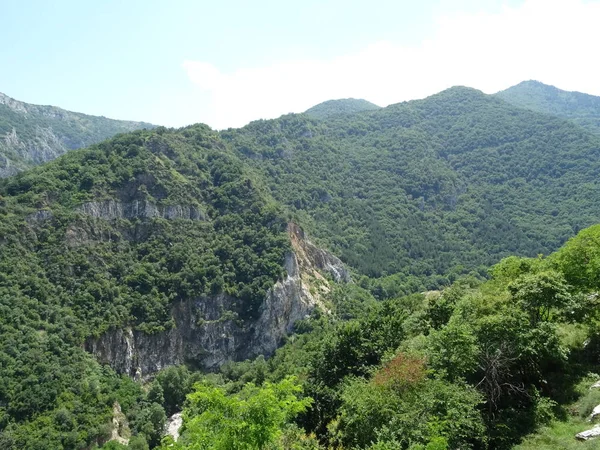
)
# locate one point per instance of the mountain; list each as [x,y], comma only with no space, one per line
[132,268]
[337,107]
[33,134]
[152,249]
[583,109]
[430,188]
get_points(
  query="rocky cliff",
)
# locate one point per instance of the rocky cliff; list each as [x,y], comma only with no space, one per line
[139,209]
[207,332]
[33,134]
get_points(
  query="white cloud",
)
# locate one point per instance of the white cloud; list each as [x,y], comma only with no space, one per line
[553,41]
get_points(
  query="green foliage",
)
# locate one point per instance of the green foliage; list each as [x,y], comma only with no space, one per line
[418,415]
[69,276]
[583,109]
[138,443]
[454,350]
[148,420]
[430,190]
[560,434]
[579,259]
[252,419]
[416,197]
[175,383]
[337,107]
[540,294]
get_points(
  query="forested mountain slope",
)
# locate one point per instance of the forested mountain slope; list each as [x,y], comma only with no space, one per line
[476,366]
[33,134]
[432,187]
[342,106]
[583,109]
[181,247]
[114,237]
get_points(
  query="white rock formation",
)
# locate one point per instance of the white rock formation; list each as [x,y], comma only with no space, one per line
[595,413]
[204,334]
[174,425]
[589,434]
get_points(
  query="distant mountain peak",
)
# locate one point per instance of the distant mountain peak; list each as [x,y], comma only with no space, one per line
[32,134]
[532,83]
[461,91]
[582,109]
[340,106]
[13,104]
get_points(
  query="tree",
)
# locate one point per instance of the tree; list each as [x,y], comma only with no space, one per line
[250,419]
[579,259]
[400,415]
[150,422]
[453,349]
[538,294]
[174,383]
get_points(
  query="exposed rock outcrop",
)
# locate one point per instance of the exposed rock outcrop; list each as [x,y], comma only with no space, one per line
[39,216]
[119,431]
[174,425]
[13,104]
[95,225]
[139,209]
[36,134]
[18,152]
[595,414]
[207,333]
[592,433]
[312,257]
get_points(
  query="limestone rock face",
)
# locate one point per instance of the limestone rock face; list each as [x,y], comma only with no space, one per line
[207,334]
[119,427]
[174,425]
[592,433]
[312,257]
[202,337]
[40,216]
[35,134]
[139,209]
[595,413]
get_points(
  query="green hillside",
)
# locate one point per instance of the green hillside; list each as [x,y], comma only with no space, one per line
[339,107]
[67,273]
[476,366]
[431,188]
[427,348]
[33,134]
[583,109]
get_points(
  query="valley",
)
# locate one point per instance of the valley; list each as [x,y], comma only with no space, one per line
[419,276]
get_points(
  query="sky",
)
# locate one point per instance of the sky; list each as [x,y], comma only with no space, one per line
[226,63]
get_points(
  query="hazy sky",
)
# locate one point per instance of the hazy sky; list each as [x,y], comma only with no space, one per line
[226,63]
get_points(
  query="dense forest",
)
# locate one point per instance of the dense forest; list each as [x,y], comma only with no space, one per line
[582,109]
[66,276]
[470,322]
[478,365]
[430,189]
[339,107]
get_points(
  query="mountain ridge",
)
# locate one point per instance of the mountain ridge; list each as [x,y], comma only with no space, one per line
[581,108]
[32,134]
[431,158]
[171,247]
[339,107]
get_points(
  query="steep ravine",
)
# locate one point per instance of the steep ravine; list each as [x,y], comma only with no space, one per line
[206,335]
